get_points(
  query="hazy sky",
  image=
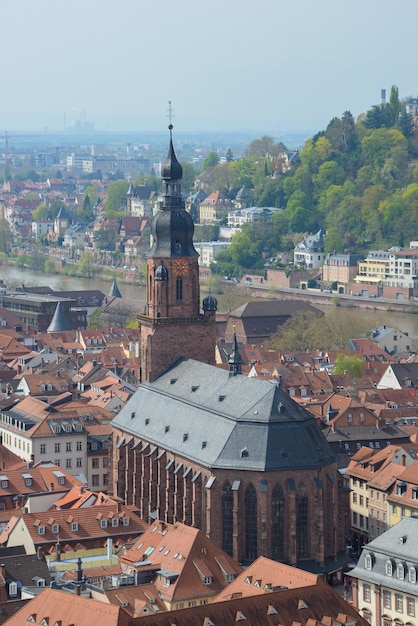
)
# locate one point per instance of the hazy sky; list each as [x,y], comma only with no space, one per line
[269,66]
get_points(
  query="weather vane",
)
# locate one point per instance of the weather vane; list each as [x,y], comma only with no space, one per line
[170,115]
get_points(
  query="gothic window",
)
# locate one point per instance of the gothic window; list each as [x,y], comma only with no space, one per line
[251,551]
[227,518]
[179,289]
[302,526]
[277,524]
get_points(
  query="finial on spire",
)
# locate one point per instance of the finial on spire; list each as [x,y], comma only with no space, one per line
[170,116]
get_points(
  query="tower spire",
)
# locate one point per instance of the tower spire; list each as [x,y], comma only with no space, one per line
[234,358]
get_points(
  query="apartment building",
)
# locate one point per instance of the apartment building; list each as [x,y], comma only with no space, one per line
[385,582]
[372,475]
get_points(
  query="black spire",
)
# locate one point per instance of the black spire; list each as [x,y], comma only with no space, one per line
[59,322]
[234,358]
[114,290]
[172,227]
[171,169]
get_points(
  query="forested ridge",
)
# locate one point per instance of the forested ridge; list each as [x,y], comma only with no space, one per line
[357,179]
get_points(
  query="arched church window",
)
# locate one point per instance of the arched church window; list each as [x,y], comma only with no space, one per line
[302,526]
[227,518]
[179,289]
[251,548]
[277,524]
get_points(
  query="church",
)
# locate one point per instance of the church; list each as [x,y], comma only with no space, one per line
[233,456]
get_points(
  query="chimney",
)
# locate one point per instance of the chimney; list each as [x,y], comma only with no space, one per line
[79,573]
[109,548]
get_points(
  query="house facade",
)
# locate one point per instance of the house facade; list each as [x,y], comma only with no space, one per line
[384,582]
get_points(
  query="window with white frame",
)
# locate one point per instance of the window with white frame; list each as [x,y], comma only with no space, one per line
[115,521]
[399,602]
[368,561]
[103,523]
[410,606]
[412,574]
[74,527]
[367,593]
[389,568]
[400,570]
[387,599]
[13,588]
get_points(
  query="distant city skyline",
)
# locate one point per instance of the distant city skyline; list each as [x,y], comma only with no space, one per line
[272,67]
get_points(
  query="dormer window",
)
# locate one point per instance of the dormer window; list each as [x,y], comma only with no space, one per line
[368,561]
[401,489]
[389,568]
[74,527]
[13,588]
[41,530]
[115,522]
[126,521]
[412,574]
[103,523]
[55,529]
[400,571]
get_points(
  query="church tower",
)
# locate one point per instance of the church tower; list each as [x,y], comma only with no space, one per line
[173,325]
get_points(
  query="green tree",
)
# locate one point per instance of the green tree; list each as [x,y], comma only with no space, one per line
[211,160]
[189,176]
[405,124]
[395,104]
[86,213]
[382,143]
[5,236]
[296,334]
[266,146]
[44,212]
[353,365]
[379,117]
[115,201]
[86,264]
[229,156]
[92,193]
[342,133]
[28,174]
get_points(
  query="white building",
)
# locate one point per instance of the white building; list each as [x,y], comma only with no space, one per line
[310,252]
[35,434]
[385,582]
[251,214]
[403,269]
[208,251]
[42,227]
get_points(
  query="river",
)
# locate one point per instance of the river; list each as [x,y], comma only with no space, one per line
[29,277]
[405,322]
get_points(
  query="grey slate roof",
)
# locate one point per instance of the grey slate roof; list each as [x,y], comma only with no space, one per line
[114,290]
[201,413]
[400,544]
[59,322]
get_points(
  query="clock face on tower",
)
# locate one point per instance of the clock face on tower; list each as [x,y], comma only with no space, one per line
[180,267]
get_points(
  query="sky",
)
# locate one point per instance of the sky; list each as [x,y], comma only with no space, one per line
[265,66]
